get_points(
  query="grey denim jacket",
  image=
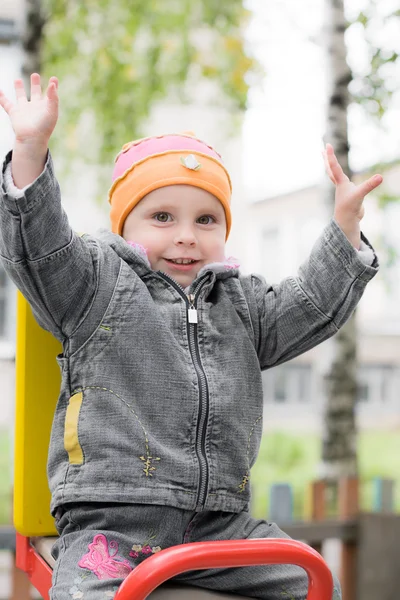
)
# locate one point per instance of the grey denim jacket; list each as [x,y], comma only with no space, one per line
[155,408]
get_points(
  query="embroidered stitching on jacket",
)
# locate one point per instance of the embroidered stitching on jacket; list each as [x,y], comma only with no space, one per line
[147,458]
[246,476]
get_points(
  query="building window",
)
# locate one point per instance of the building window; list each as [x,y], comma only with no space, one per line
[280,387]
[8,31]
[292,384]
[376,384]
[289,383]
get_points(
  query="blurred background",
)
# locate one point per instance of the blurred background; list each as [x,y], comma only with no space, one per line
[267,82]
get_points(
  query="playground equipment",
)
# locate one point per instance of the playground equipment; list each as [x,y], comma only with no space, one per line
[37,389]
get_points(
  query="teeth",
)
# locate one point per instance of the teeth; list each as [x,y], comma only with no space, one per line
[182,261]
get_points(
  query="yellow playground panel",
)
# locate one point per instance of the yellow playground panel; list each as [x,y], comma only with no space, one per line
[37,388]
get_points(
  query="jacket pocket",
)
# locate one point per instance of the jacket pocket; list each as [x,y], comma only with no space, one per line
[71,439]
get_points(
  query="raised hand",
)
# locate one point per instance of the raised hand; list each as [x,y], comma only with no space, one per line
[349,197]
[33,120]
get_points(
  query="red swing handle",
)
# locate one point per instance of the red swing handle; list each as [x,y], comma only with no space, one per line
[173,561]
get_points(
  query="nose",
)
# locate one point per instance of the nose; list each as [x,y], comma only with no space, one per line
[185,236]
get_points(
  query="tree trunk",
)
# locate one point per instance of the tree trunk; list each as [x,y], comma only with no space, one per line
[339,452]
[32,38]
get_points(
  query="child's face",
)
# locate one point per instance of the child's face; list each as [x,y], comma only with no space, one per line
[178,222]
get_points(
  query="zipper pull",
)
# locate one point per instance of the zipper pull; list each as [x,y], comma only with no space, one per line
[192,312]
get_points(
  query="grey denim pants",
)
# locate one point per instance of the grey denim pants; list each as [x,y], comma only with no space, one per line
[100,544]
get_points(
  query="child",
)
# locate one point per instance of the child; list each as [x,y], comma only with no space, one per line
[159,418]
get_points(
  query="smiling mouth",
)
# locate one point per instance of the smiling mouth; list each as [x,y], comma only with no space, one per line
[182,261]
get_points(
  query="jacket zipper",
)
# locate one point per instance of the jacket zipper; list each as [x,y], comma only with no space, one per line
[201,427]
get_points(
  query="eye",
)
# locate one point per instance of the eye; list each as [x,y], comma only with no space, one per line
[206,220]
[162,217]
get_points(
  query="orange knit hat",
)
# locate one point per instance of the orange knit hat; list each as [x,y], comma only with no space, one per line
[150,163]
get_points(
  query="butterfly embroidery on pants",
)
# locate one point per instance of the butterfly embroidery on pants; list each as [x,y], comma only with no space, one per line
[103,564]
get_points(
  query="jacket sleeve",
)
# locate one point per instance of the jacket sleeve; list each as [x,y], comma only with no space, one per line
[55,269]
[301,312]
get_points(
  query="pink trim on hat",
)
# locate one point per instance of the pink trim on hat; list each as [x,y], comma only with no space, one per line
[158,145]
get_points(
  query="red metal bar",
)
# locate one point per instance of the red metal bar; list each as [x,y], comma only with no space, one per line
[22,552]
[37,569]
[237,553]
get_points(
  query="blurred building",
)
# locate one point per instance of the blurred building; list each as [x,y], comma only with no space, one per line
[10,61]
[280,234]
[270,237]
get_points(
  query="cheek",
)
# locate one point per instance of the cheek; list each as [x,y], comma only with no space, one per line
[216,250]
[154,244]
[140,235]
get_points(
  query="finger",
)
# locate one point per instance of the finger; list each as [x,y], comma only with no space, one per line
[54,80]
[19,89]
[5,103]
[328,168]
[367,186]
[36,89]
[335,167]
[52,89]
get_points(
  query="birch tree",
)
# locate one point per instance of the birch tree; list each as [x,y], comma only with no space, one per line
[339,449]
[339,454]
[32,36]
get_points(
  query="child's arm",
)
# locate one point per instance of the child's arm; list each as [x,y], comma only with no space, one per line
[301,312]
[56,270]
